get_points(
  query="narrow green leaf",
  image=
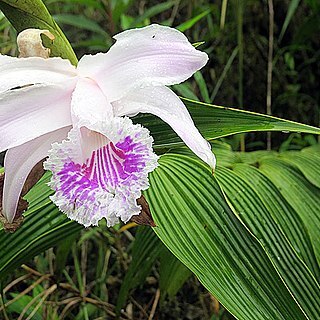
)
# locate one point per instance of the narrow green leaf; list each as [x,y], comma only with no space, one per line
[152,11]
[119,8]
[89,3]
[202,87]
[196,224]
[291,10]
[18,307]
[191,22]
[185,89]
[79,21]
[215,122]
[224,73]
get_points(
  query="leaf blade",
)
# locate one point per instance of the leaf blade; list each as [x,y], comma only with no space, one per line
[216,122]
[299,192]
[206,236]
[249,200]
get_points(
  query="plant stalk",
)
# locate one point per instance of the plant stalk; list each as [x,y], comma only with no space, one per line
[270,65]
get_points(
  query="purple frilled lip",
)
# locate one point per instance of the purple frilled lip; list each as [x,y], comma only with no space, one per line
[108,183]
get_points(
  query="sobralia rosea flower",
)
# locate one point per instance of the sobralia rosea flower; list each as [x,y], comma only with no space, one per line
[99,159]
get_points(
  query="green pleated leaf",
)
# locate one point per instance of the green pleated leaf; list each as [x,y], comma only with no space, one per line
[261,213]
[254,157]
[306,162]
[24,14]
[215,122]
[314,149]
[285,216]
[224,154]
[196,224]
[303,196]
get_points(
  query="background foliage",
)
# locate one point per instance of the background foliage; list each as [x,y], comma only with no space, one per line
[259,246]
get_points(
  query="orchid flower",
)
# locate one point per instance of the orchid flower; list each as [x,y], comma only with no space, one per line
[77,116]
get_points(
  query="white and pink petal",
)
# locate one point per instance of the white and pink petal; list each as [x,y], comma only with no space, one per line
[20,72]
[18,162]
[30,112]
[89,103]
[164,103]
[150,56]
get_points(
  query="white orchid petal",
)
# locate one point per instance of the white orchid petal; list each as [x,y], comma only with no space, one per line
[19,72]
[30,112]
[108,183]
[154,55]
[165,104]
[89,103]
[19,161]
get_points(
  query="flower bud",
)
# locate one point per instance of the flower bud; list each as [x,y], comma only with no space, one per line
[30,43]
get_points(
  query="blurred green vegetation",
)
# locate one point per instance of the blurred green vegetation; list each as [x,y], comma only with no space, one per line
[85,284]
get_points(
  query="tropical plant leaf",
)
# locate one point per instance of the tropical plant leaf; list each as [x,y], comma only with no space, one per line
[196,224]
[263,213]
[19,306]
[198,206]
[308,164]
[201,82]
[285,216]
[119,8]
[299,192]
[224,73]
[185,89]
